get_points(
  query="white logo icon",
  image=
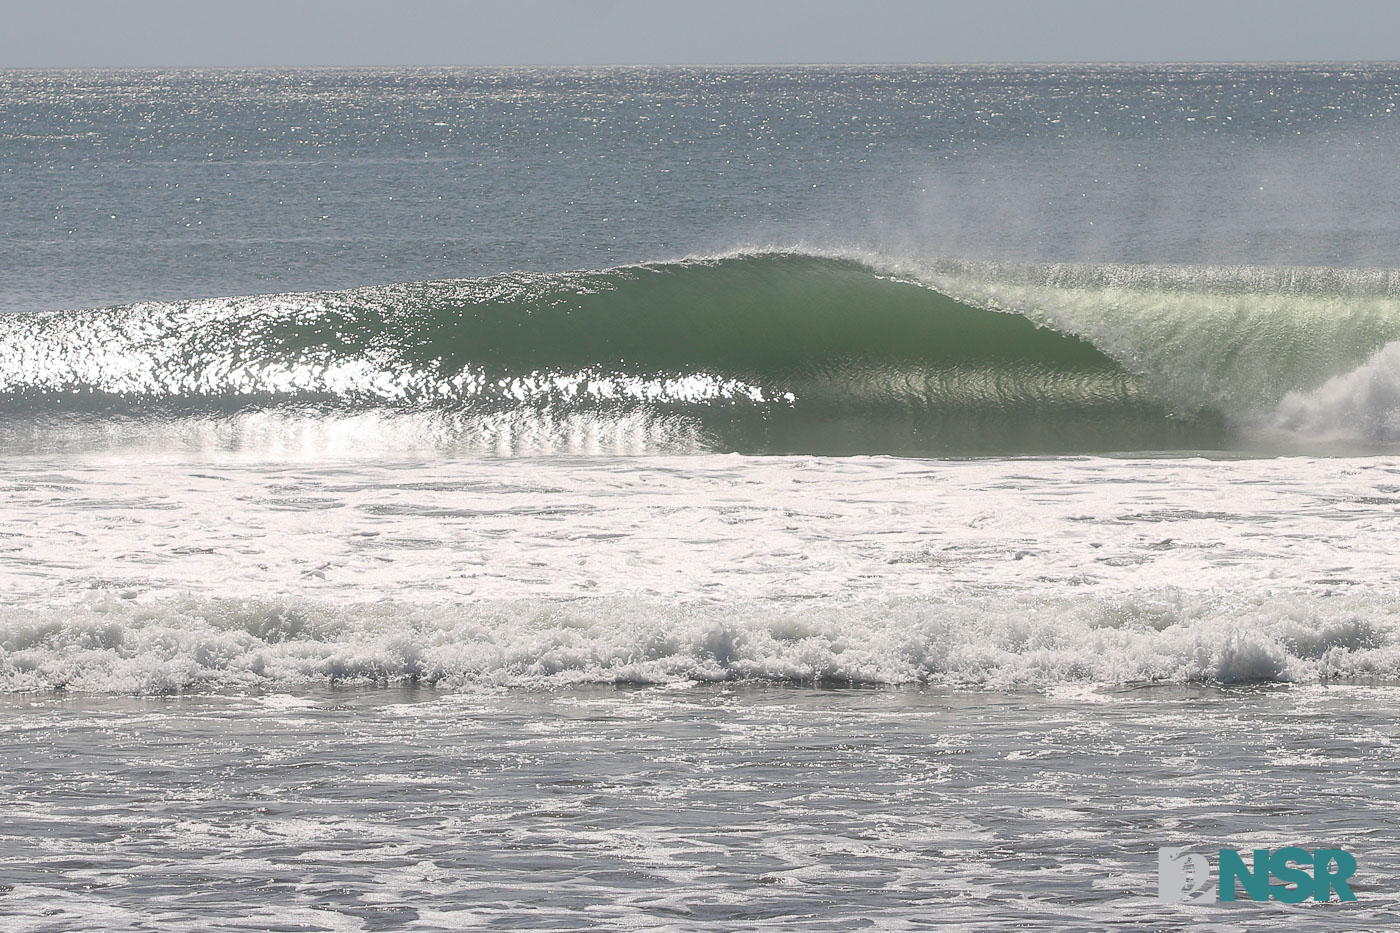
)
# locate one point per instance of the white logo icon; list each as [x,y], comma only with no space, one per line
[1183,876]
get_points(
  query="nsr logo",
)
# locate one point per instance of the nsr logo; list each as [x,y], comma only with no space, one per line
[1185,876]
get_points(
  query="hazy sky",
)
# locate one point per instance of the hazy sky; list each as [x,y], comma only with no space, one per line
[68,33]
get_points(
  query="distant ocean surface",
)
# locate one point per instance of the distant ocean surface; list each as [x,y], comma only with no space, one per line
[681,498]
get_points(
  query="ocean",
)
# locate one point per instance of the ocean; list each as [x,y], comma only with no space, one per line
[802,498]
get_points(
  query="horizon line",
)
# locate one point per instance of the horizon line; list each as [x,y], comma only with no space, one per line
[713,64]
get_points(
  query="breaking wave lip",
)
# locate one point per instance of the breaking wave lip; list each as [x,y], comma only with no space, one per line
[765,351]
[108,644]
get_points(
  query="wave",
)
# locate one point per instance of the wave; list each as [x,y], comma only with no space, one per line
[762,352]
[110,644]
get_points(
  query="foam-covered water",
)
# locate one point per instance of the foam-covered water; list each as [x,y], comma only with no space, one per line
[133,575]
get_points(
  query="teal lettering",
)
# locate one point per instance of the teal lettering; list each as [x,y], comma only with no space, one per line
[1278,866]
[1256,882]
[1325,881]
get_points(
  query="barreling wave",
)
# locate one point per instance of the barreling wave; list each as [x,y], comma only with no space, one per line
[755,352]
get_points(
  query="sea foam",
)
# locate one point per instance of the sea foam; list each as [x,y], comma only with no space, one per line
[1362,405]
[108,644]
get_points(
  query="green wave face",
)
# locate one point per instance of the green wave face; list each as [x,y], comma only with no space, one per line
[768,352]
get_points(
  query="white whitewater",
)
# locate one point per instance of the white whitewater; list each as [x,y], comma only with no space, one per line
[204,570]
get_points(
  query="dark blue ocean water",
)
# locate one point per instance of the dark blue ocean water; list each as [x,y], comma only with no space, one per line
[118,186]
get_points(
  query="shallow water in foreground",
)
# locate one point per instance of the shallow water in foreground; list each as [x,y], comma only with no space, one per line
[684,808]
[215,716]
